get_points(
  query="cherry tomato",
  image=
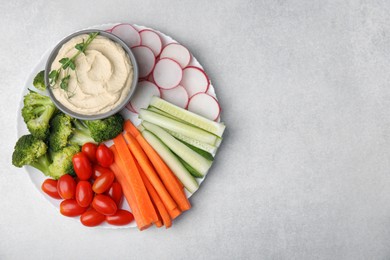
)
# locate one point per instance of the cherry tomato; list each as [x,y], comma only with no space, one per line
[121,217]
[104,182]
[82,166]
[104,155]
[66,186]
[92,218]
[116,193]
[98,171]
[89,149]
[71,208]
[104,204]
[84,193]
[49,186]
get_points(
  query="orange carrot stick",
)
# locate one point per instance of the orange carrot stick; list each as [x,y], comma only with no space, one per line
[150,172]
[130,168]
[166,175]
[129,195]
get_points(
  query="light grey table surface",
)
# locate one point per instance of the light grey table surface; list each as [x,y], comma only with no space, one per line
[304,170]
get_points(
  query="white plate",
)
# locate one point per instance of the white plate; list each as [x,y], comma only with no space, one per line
[36,176]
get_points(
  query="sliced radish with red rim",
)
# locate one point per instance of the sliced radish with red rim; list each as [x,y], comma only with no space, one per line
[205,105]
[178,53]
[177,96]
[195,80]
[145,60]
[127,33]
[152,40]
[130,108]
[144,92]
[167,73]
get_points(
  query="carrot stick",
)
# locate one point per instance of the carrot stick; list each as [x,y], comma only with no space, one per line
[129,195]
[160,208]
[149,171]
[130,169]
[166,175]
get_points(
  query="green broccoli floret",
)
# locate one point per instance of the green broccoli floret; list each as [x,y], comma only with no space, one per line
[96,131]
[39,81]
[37,112]
[105,129]
[62,161]
[32,151]
[60,131]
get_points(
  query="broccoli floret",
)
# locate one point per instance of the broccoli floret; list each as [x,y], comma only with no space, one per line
[60,131]
[105,129]
[37,112]
[96,131]
[39,81]
[62,161]
[32,151]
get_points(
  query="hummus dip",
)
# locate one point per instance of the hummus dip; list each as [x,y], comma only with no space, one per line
[102,78]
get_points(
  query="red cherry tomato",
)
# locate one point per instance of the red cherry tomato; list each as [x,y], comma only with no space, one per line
[104,204]
[116,193]
[49,186]
[71,208]
[104,155]
[66,186]
[104,182]
[121,217]
[89,149]
[84,193]
[82,166]
[92,218]
[98,171]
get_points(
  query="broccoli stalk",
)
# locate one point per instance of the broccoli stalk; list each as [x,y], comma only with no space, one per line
[32,151]
[81,134]
[37,112]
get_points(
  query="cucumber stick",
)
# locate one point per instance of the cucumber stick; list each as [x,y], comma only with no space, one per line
[196,143]
[179,127]
[195,160]
[190,117]
[191,170]
[172,162]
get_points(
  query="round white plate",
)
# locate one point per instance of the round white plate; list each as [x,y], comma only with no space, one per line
[36,176]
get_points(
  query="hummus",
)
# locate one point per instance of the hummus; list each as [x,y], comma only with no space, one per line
[102,78]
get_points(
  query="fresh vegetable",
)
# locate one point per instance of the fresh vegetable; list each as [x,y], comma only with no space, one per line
[62,161]
[84,194]
[178,53]
[121,217]
[205,105]
[104,155]
[92,218]
[82,166]
[115,192]
[145,59]
[142,95]
[66,187]
[37,112]
[104,182]
[49,186]
[189,117]
[39,81]
[60,131]
[89,149]
[177,95]
[70,208]
[98,171]
[104,205]
[194,80]
[152,40]
[127,33]
[167,73]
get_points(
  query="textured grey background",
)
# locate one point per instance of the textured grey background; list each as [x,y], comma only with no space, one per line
[304,171]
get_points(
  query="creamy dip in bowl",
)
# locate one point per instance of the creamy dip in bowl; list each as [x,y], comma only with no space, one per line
[102,80]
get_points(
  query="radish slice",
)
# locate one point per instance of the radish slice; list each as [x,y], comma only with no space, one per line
[194,80]
[151,39]
[145,59]
[167,73]
[144,92]
[177,96]
[127,33]
[204,105]
[177,52]
[130,108]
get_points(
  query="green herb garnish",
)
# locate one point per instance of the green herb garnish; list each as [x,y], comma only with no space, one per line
[69,64]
